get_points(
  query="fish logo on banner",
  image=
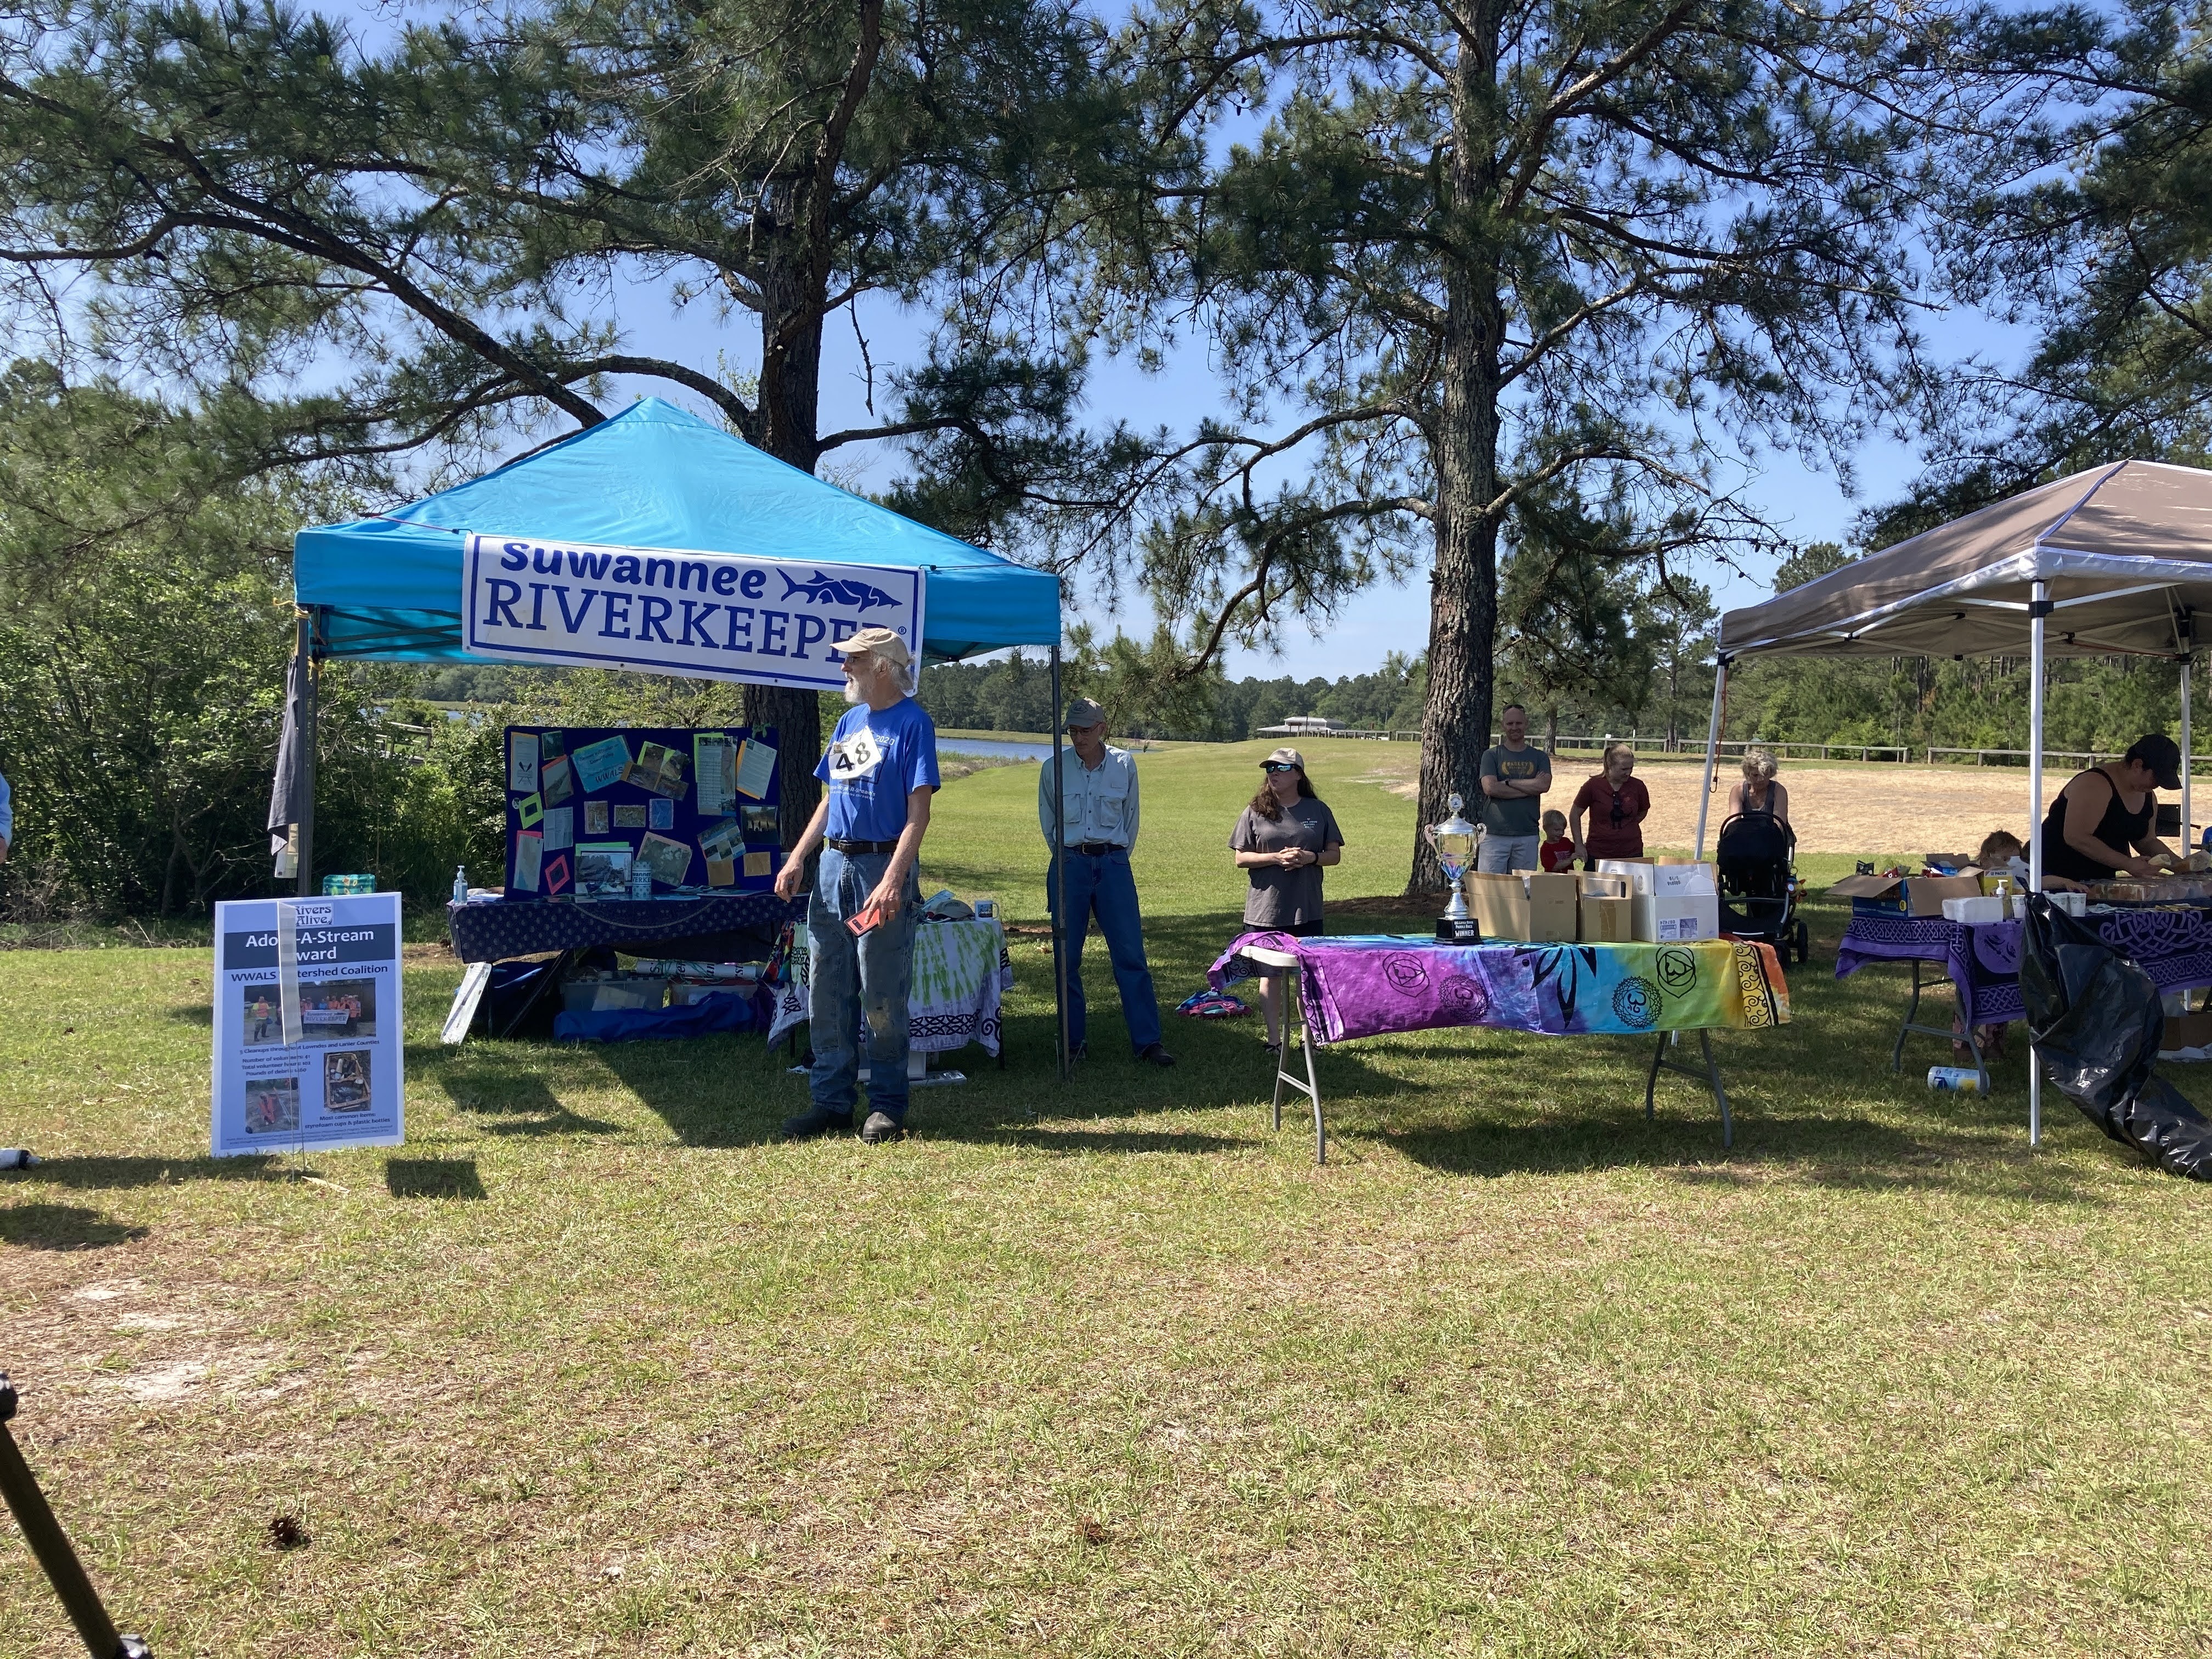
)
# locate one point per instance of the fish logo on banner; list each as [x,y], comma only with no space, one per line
[708,615]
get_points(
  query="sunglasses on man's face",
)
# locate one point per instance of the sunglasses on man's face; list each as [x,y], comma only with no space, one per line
[1277,766]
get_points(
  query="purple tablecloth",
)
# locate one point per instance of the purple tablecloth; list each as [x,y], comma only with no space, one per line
[2174,947]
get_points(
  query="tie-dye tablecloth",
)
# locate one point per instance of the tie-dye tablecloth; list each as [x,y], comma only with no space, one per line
[1361,985]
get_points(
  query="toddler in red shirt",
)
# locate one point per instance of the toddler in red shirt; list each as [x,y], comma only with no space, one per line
[1558,853]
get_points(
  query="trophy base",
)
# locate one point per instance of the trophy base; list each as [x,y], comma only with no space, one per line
[1461,930]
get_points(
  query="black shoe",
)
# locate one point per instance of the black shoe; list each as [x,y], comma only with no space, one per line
[880,1127]
[1156,1053]
[1078,1051]
[821,1121]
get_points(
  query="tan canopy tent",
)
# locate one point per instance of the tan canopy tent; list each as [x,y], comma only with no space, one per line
[2113,561]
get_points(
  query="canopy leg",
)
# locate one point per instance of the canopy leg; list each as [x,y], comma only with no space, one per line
[1712,749]
[2188,824]
[309,647]
[2038,607]
[1059,870]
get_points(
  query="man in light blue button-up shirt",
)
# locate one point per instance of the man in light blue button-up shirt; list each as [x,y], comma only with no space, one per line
[1099,800]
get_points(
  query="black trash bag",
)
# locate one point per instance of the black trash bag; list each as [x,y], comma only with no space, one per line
[2096,1022]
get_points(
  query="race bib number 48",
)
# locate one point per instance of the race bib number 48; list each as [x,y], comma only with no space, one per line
[855,757]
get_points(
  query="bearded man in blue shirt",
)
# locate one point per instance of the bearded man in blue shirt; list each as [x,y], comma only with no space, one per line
[879,772]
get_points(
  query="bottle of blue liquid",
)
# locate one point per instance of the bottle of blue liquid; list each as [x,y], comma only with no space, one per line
[460,883]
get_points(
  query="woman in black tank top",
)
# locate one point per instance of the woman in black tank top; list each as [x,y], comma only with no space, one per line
[2152,763]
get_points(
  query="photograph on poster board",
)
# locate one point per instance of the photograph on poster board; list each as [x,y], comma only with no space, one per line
[724,841]
[761,823]
[630,815]
[557,782]
[669,860]
[346,1081]
[271,1106]
[595,818]
[340,1007]
[604,866]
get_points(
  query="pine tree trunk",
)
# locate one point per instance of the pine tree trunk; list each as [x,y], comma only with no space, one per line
[789,411]
[1463,587]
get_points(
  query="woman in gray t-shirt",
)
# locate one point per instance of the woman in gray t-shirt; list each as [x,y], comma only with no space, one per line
[1282,842]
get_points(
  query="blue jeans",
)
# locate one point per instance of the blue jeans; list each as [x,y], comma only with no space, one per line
[846,977]
[1500,855]
[1102,884]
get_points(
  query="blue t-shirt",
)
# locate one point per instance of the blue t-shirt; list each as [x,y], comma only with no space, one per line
[876,758]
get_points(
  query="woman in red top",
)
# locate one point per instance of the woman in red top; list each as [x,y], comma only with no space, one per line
[1618,804]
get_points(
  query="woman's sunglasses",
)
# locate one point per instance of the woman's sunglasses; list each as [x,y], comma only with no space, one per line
[1277,766]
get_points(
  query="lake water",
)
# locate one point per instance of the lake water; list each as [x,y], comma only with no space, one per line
[997,748]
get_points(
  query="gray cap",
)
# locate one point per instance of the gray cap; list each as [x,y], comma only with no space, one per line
[1082,712]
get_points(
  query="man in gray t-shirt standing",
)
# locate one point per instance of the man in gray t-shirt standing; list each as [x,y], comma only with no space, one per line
[1515,775]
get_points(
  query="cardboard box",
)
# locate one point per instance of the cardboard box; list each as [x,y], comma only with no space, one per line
[1607,920]
[1676,920]
[1639,872]
[1683,879]
[1904,896]
[1527,905]
[1597,884]
[2186,1031]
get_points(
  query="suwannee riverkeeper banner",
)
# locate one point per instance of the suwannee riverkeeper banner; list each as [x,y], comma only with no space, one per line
[710,616]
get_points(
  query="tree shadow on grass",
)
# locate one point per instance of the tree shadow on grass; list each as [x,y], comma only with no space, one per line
[433,1177]
[114,1172]
[1077,1143]
[63,1227]
[524,1104]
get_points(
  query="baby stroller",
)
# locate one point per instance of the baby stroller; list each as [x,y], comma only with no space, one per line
[1759,889]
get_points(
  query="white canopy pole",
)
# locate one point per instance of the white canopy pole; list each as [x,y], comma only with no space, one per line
[2188,834]
[1712,749]
[2039,608]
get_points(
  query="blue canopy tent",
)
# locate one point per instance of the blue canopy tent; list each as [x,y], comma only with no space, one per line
[388,588]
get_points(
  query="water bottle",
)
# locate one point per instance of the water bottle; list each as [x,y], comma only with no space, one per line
[460,883]
[641,881]
[1959,1080]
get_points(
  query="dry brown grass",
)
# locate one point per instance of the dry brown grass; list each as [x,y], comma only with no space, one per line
[1858,811]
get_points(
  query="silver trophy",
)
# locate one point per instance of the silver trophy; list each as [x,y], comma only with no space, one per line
[1455,841]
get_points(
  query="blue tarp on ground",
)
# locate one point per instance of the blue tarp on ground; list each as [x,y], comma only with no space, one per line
[651,477]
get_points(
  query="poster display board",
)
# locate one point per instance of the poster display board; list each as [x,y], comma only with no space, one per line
[308,1050]
[710,616]
[591,809]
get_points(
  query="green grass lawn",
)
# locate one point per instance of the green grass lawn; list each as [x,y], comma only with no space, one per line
[595,1366]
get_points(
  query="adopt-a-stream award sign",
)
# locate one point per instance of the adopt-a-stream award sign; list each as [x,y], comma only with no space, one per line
[710,616]
[307,1050]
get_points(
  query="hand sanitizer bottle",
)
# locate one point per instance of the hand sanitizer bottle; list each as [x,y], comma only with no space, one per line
[460,883]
